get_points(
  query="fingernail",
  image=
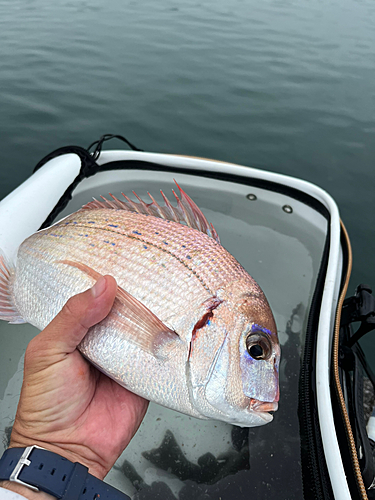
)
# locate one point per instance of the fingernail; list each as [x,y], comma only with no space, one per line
[99,287]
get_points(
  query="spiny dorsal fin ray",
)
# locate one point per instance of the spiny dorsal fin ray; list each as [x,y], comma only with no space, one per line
[186,211]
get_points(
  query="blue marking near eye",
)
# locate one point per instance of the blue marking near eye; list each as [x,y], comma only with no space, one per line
[91,222]
[257,328]
[156,232]
[92,245]
[165,243]
[188,257]
[112,225]
[208,322]
[247,356]
[144,246]
[136,232]
[106,241]
[183,246]
[86,235]
[113,244]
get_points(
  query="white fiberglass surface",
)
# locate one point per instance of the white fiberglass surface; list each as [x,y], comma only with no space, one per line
[279,241]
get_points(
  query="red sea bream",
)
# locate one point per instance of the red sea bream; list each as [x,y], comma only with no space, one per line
[190,329]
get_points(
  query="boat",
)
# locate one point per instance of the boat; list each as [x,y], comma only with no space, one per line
[288,235]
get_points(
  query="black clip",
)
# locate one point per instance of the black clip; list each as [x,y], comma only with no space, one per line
[360,307]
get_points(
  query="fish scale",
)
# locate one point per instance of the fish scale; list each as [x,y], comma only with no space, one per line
[198,252]
[185,310]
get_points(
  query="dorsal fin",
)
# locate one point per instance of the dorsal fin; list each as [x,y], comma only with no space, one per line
[186,211]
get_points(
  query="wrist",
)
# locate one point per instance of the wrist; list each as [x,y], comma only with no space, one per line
[39,474]
[25,491]
[75,453]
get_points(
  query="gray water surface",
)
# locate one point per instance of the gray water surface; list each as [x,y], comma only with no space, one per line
[285,86]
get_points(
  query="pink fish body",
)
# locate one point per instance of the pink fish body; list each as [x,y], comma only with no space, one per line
[190,329]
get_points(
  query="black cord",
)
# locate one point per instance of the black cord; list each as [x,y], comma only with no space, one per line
[107,137]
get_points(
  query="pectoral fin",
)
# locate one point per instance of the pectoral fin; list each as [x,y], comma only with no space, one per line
[140,326]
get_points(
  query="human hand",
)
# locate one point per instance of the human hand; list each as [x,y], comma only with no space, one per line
[66,405]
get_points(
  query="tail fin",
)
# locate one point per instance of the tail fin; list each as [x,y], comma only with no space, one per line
[8,311]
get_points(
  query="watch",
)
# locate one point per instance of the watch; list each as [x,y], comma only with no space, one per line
[43,470]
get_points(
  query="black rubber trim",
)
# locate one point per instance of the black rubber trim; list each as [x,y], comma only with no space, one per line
[90,168]
[224,176]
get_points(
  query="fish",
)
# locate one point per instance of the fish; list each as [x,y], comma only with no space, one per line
[190,329]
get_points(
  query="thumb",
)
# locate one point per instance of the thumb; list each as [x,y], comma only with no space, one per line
[68,328]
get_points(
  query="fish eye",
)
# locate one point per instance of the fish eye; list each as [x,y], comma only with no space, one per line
[259,346]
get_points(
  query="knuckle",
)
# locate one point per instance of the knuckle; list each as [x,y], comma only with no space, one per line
[72,308]
[74,311]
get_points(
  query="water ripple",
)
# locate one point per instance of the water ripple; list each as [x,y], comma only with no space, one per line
[284,85]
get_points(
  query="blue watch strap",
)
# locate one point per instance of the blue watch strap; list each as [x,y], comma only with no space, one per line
[46,471]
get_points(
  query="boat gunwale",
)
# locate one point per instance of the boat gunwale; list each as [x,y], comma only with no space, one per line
[192,165]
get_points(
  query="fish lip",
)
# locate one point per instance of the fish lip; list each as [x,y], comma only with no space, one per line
[262,406]
[263,410]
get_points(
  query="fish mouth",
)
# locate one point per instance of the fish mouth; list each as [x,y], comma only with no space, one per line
[262,406]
